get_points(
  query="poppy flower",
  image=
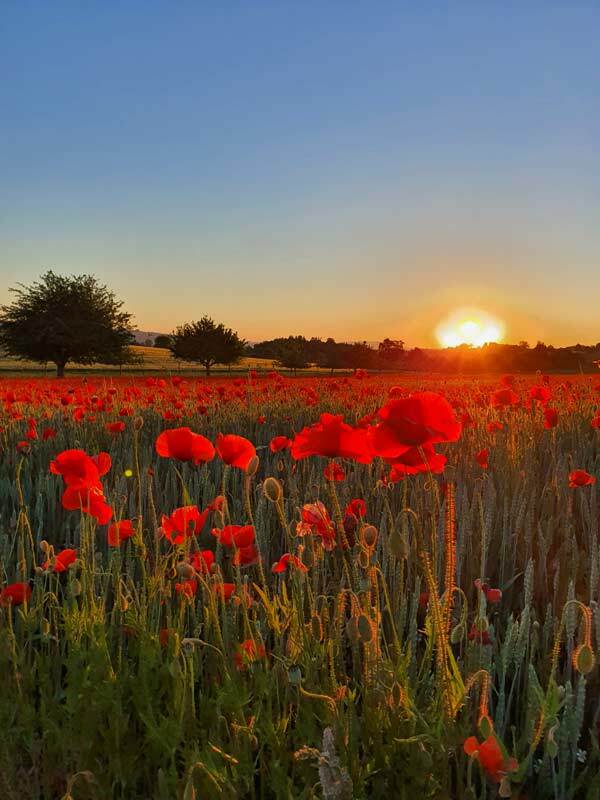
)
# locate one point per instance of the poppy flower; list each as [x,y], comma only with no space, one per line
[245,556]
[357,507]
[228,592]
[494,426]
[315,519]
[90,500]
[550,418]
[187,588]
[595,423]
[287,560]
[120,531]
[202,561]
[477,635]
[333,438]
[415,461]
[182,523]
[115,427]
[236,451]
[424,418]
[579,477]
[279,443]
[238,536]
[482,458]
[333,472]
[540,393]
[183,444]
[247,652]
[503,398]
[78,470]
[62,560]
[491,595]
[15,593]
[48,433]
[490,757]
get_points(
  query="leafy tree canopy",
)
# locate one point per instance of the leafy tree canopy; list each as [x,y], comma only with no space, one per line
[65,318]
[206,342]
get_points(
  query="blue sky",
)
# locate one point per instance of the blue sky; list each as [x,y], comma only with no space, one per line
[355,170]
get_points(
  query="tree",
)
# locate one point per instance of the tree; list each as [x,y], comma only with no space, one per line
[390,352]
[206,343]
[64,318]
[162,340]
[293,355]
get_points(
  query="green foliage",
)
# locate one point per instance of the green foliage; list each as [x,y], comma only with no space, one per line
[62,318]
[206,342]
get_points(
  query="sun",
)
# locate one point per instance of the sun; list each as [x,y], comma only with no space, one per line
[469,326]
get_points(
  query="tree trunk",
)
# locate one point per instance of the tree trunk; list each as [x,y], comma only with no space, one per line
[207,368]
[60,370]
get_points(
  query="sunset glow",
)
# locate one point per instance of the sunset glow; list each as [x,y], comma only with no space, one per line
[468,326]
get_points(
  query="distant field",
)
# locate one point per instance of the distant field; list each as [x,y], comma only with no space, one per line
[155,359]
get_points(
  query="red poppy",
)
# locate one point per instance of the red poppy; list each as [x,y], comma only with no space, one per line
[238,536]
[202,561]
[550,418]
[120,531]
[79,471]
[90,500]
[187,588]
[115,427]
[494,426]
[595,423]
[357,507]
[15,593]
[316,520]
[477,635]
[502,398]
[333,438]
[182,523]
[236,451]
[279,443]
[540,393]
[416,460]
[287,560]
[245,556]
[247,652]
[490,756]
[48,433]
[482,458]
[491,595]
[183,444]
[579,477]
[333,472]
[424,418]
[62,560]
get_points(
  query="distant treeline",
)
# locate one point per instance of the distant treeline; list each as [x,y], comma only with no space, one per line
[298,352]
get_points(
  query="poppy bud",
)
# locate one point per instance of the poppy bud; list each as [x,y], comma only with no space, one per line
[45,627]
[138,423]
[252,467]
[398,545]
[368,536]
[44,546]
[457,634]
[75,588]
[185,571]
[272,489]
[584,659]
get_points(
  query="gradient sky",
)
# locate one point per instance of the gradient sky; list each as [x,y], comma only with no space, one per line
[346,169]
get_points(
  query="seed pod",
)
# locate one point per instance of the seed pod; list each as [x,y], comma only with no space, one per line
[272,489]
[368,536]
[398,545]
[185,571]
[75,588]
[45,627]
[364,559]
[252,467]
[123,604]
[316,627]
[365,629]
[584,659]
[138,423]
[44,546]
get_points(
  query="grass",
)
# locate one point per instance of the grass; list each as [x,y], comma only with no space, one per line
[119,685]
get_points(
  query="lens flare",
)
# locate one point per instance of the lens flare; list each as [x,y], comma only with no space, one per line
[469,326]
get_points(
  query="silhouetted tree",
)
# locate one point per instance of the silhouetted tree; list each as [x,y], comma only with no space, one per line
[162,340]
[65,318]
[390,353]
[206,342]
[293,355]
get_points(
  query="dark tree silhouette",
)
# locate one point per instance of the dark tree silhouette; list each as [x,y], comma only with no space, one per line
[65,318]
[390,353]
[206,343]
[293,355]
[162,340]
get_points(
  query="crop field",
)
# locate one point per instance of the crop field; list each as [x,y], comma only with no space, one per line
[149,359]
[265,587]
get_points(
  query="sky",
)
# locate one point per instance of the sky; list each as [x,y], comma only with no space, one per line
[348,169]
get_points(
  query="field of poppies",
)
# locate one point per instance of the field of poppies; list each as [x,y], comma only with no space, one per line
[268,587]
